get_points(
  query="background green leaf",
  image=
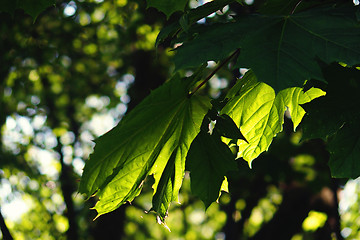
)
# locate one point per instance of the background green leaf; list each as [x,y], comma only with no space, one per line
[293,44]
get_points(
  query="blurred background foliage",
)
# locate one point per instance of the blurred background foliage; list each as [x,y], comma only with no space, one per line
[72,73]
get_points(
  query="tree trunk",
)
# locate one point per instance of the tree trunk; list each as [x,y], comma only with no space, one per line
[288,220]
[4,229]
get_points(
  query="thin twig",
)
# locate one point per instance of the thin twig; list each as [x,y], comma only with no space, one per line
[214,72]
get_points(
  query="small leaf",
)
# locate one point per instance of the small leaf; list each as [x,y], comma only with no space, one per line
[224,188]
[168,6]
[209,160]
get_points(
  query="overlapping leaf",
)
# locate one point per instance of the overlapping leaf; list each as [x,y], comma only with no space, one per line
[281,50]
[325,116]
[208,160]
[336,119]
[259,113]
[153,139]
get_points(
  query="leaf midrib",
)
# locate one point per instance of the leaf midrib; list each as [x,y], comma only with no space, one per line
[171,120]
[321,37]
[279,47]
[127,140]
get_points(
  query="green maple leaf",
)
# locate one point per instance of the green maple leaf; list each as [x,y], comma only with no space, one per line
[259,112]
[208,160]
[168,6]
[152,139]
[283,51]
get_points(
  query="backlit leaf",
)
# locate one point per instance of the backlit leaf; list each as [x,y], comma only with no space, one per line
[292,97]
[152,139]
[260,113]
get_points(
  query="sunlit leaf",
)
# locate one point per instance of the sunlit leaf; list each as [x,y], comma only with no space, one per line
[292,98]
[153,139]
[260,113]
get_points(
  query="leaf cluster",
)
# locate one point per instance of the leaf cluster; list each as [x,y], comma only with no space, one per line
[177,128]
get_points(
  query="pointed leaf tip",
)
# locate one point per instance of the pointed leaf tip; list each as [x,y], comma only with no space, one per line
[168,7]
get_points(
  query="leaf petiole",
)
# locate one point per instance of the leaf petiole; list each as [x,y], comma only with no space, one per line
[214,71]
